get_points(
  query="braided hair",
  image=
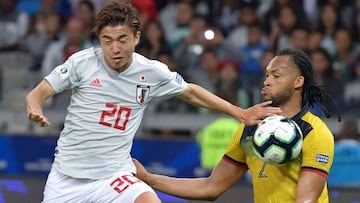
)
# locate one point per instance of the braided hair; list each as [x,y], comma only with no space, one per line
[312,93]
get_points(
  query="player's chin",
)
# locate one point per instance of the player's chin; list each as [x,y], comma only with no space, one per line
[266,97]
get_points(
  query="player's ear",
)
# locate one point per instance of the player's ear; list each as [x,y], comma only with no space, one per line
[137,37]
[299,81]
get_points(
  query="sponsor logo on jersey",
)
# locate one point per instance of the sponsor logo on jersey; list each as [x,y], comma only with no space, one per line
[62,70]
[322,158]
[96,83]
[178,78]
[142,93]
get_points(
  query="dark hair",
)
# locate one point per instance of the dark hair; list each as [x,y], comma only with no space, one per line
[311,93]
[117,13]
[87,3]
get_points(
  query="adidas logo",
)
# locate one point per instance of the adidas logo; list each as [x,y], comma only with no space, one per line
[96,83]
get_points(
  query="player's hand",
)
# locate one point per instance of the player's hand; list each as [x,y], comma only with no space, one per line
[255,114]
[38,118]
[141,172]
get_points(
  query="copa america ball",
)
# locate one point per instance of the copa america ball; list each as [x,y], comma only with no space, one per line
[277,140]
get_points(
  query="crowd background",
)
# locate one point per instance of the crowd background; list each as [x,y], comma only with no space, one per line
[222,45]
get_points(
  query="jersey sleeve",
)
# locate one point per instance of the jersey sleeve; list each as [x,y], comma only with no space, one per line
[318,150]
[234,154]
[172,83]
[63,76]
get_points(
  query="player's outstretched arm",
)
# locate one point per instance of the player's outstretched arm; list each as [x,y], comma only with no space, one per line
[35,101]
[199,96]
[221,179]
[309,187]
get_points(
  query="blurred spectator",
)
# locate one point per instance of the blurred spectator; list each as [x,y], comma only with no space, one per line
[352,91]
[344,54]
[13,26]
[281,29]
[98,4]
[178,31]
[205,8]
[188,53]
[356,31]
[171,105]
[299,39]
[85,11]
[311,11]
[152,40]
[48,7]
[40,35]
[238,37]
[249,58]
[346,165]
[344,8]
[273,13]
[227,15]
[147,11]
[227,85]
[325,75]
[74,40]
[315,38]
[167,18]
[329,23]
[207,75]
[214,139]
[1,85]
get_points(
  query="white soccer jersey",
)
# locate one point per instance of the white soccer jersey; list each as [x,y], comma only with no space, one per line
[105,111]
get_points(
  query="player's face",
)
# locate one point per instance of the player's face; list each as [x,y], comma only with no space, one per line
[118,44]
[282,78]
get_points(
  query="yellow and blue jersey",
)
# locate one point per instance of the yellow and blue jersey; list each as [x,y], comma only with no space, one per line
[278,183]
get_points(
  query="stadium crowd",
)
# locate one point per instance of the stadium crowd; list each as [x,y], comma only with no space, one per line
[222,45]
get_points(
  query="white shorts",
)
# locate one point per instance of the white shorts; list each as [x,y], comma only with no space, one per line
[124,187]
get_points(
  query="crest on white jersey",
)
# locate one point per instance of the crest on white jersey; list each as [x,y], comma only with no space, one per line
[63,71]
[142,93]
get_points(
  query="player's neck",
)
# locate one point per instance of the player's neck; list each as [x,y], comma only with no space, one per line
[291,108]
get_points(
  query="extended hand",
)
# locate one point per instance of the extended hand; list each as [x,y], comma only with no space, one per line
[253,115]
[38,118]
[141,172]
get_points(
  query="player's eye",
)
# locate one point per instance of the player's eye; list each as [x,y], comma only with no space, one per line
[123,40]
[107,41]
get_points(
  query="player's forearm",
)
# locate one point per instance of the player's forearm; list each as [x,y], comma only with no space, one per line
[34,102]
[310,186]
[195,189]
[36,97]
[200,97]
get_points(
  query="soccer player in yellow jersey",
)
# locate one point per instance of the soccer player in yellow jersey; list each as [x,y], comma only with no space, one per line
[290,85]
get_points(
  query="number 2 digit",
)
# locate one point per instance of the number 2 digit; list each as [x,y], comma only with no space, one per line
[261,172]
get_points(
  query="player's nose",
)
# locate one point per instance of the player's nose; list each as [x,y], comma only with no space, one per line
[115,47]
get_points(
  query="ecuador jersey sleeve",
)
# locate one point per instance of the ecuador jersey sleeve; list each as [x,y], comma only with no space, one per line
[317,147]
[234,154]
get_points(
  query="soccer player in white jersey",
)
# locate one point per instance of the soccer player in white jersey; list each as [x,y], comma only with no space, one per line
[112,85]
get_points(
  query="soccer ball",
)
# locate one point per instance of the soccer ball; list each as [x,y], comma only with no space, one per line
[277,139]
